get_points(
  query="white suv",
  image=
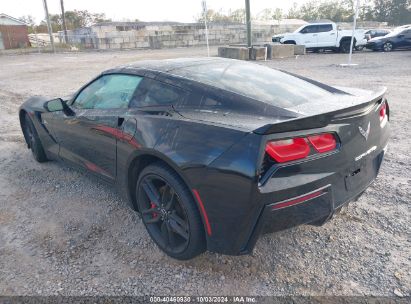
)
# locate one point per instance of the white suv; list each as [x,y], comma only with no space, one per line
[322,36]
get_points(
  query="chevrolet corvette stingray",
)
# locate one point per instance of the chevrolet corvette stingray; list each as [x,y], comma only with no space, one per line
[214,152]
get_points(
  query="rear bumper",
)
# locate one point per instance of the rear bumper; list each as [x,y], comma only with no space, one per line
[315,206]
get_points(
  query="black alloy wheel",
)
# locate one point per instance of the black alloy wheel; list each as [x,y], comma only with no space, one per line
[33,140]
[169,212]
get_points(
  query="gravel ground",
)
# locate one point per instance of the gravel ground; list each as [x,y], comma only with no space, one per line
[62,232]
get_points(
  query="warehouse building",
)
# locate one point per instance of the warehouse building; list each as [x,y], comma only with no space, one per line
[13,33]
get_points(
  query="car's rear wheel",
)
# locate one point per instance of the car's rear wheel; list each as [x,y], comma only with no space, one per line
[387,47]
[169,212]
[33,140]
[345,46]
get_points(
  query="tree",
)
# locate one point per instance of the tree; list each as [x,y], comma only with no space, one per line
[238,15]
[400,12]
[337,11]
[277,14]
[382,10]
[271,14]
[30,21]
[395,12]
[293,12]
[366,10]
[75,19]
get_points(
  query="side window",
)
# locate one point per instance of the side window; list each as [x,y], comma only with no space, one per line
[309,29]
[108,92]
[155,93]
[407,33]
[325,28]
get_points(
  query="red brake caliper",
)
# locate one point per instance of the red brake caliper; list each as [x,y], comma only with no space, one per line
[155,214]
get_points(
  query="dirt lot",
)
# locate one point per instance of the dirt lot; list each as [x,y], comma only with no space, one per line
[64,233]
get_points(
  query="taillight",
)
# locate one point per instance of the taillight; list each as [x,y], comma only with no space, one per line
[323,142]
[383,114]
[286,150]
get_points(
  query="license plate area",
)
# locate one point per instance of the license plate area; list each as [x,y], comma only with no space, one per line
[359,176]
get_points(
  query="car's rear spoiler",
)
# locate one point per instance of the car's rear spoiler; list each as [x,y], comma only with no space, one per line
[323,119]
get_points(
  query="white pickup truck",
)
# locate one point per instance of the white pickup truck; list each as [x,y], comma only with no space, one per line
[325,35]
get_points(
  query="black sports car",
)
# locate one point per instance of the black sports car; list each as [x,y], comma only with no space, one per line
[397,39]
[213,152]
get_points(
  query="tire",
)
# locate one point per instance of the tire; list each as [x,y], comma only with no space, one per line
[359,48]
[169,212]
[345,46]
[387,47]
[33,140]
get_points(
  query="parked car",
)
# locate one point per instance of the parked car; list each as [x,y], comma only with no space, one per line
[321,35]
[376,33]
[399,38]
[213,152]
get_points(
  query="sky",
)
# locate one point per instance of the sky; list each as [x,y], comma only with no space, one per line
[144,10]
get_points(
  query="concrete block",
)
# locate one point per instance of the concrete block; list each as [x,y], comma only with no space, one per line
[299,49]
[241,53]
[258,53]
[282,50]
[118,40]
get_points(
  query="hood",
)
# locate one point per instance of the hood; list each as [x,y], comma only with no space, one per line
[281,35]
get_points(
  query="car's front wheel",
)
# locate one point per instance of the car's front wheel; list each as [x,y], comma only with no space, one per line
[387,47]
[169,212]
[33,140]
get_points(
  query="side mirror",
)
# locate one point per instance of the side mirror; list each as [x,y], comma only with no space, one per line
[58,104]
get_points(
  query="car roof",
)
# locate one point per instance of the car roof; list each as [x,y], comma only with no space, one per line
[250,80]
[168,65]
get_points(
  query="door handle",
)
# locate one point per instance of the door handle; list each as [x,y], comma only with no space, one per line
[120,121]
[315,35]
[332,34]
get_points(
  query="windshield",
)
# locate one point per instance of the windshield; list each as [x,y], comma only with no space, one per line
[299,29]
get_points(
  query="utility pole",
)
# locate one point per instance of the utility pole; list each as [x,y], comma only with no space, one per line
[46,11]
[248,22]
[353,31]
[204,7]
[63,17]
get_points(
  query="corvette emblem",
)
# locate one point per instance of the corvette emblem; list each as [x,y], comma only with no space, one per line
[365,133]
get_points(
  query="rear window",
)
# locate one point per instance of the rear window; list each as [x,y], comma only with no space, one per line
[255,81]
